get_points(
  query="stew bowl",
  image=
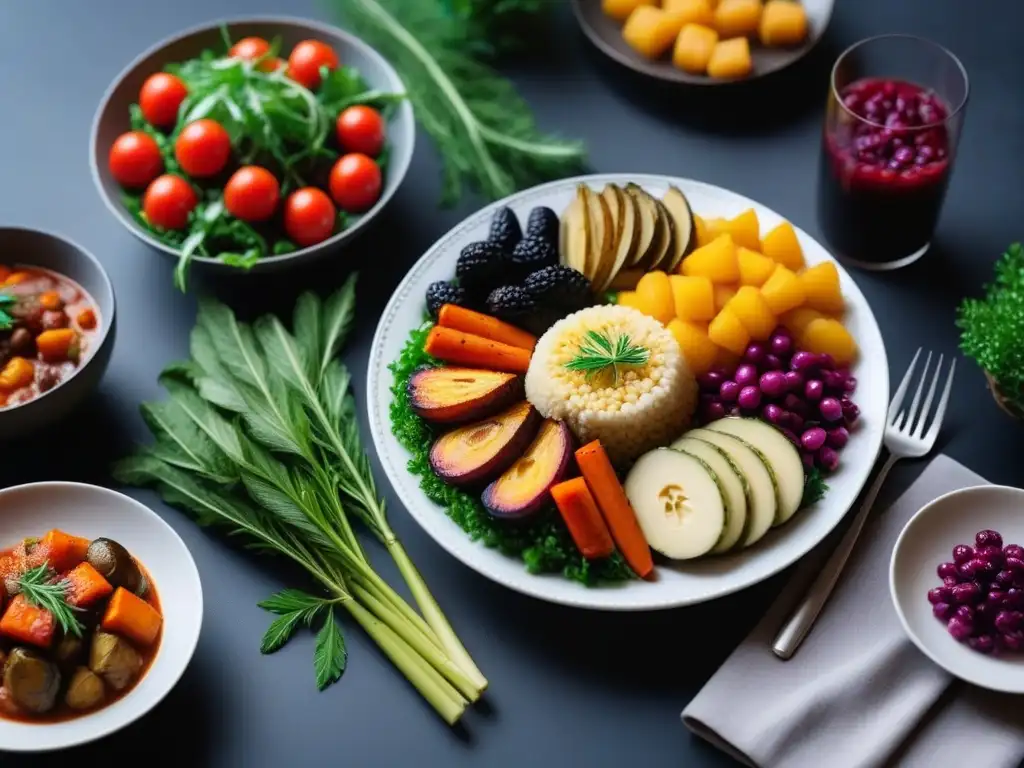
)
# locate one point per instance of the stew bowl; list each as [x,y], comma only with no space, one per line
[92,512]
[47,251]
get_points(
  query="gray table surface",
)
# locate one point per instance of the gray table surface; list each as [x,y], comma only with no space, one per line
[567,687]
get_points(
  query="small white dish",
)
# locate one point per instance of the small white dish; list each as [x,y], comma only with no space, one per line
[927,540]
[92,512]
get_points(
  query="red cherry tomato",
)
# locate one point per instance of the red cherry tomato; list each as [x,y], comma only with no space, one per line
[203,148]
[306,59]
[309,216]
[355,182]
[135,159]
[160,97]
[361,129]
[252,48]
[168,201]
[251,193]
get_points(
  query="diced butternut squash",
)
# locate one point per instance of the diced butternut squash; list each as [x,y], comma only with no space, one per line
[654,292]
[714,227]
[58,345]
[737,18]
[723,295]
[649,31]
[755,268]
[698,349]
[26,623]
[17,373]
[821,288]
[728,332]
[783,291]
[694,297]
[730,59]
[798,319]
[620,9]
[750,307]
[745,230]
[700,231]
[781,245]
[86,586]
[828,336]
[716,261]
[132,617]
[690,11]
[783,22]
[60,550]
[693,50]
[629,299]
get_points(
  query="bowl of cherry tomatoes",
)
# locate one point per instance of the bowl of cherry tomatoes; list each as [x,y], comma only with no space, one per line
[252,144]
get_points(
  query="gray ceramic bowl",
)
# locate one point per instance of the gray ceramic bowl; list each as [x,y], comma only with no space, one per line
[34,248]
[112,116]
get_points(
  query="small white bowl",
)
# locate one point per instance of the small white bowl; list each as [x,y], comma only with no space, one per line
[927,540]
[90,511]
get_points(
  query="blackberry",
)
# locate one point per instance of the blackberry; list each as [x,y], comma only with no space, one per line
[441,293]
[510,302]
[543,222]
[505,229]
[479,269]
[559,286]
[532,253]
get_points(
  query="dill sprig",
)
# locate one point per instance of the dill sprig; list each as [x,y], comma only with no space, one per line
[41,589]
[598,352]
[6,321]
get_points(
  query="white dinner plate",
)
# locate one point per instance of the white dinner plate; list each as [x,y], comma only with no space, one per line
[677,584]
[93,512]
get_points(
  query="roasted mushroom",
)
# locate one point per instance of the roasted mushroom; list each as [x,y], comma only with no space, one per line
[69,651]
[113,659]
[85,690]
[116,565]
[32,681]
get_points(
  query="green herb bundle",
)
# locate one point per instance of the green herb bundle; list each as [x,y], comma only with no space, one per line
[991,328]
[259,436]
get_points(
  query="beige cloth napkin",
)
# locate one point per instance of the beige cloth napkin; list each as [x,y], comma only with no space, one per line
[858,693]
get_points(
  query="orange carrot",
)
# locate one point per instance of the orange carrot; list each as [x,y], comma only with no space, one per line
[50,300]
[131,617]
[611,498]
[26,623]
[582,518]
[61,550]
[13,278]
[86,585]
[18,373]
[466,349]
[57,345]
[479,324]
[86,319]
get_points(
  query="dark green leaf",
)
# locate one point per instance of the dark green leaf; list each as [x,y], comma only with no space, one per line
[330,655]
[289,600]
[280,631]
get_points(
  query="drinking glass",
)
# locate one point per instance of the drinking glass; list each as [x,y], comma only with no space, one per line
[895,111]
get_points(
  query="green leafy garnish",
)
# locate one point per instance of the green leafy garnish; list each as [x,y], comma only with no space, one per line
[6,321]
[815,488]
[497,26]
[599,352]
[41,588]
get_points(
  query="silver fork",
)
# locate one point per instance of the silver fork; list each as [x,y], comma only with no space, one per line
[905,438]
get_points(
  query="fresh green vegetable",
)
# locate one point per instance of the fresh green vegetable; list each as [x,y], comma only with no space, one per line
[991,328]
[42,589]
[259,435]
[598,352]
[544,544]
[815,488]
[6,321]
[483,130]
[497,26]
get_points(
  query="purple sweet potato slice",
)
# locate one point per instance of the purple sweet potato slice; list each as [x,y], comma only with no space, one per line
[476,453]
[525,487]
[451,395]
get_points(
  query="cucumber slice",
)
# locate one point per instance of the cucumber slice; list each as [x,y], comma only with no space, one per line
[678,503]
[781,455]
[734,485]
[761,510]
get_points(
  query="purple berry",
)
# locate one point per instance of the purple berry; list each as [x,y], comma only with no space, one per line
[988,536]
[996,597]
[813,439]
[945,570]
[1014,550]
[792,437]
[1013,641]
[710,381]
[813,390]
[992,554]
[833,381]
[755,353]
[960,629]
[939,595]
[772,413]
[793,403]
[950,581]
[825,361]
[794,422]
[773,383]
[838,437]
[713,411]
[781,344]
[962,553]
[942,611]
[830,409]
[850,411]
[828,459]
[794,380]
[1015,564]
[746,375]
[965,594]
[964,612]
[772,362]
[1009,621]
[803,360]
[1014,598]
[729,391]
[982,643]
[976,567]
[749,398]
[1004,578]
[850,385]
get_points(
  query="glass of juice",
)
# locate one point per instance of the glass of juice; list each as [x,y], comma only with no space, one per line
[895,110]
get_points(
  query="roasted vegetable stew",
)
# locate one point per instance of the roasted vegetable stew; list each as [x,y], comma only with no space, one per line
[80,625]
[48,326]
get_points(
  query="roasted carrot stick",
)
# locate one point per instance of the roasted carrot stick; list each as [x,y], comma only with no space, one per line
[611,498]
[479,324]
[582,518]
[466,349]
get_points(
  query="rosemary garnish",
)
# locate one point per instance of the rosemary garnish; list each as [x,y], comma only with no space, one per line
[39,588]
[599,352]
[6,321]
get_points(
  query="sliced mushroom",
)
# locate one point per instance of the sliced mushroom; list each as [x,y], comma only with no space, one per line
[113,659]
[116,565]
[85,691]
[32,681]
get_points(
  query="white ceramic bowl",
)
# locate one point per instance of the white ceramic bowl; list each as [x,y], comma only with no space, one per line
[677,584]
[927,540]
[90,511]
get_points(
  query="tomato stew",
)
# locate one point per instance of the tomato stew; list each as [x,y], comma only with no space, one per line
[48,327]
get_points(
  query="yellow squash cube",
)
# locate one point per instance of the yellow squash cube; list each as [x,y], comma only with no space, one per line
[798,319]
[655,294]
[701,231]
[649,31]
[693,50]
[723,295]
[783,22]
[694,297]
[690,11]
[716,261]
[821,288]
[620,9]
[698,349]
[630,299]
[783,291]
[755,269]
[728,332]
[782,246]
[750,307]
[745,229]
[828,336]
[737,18]
[731,59]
